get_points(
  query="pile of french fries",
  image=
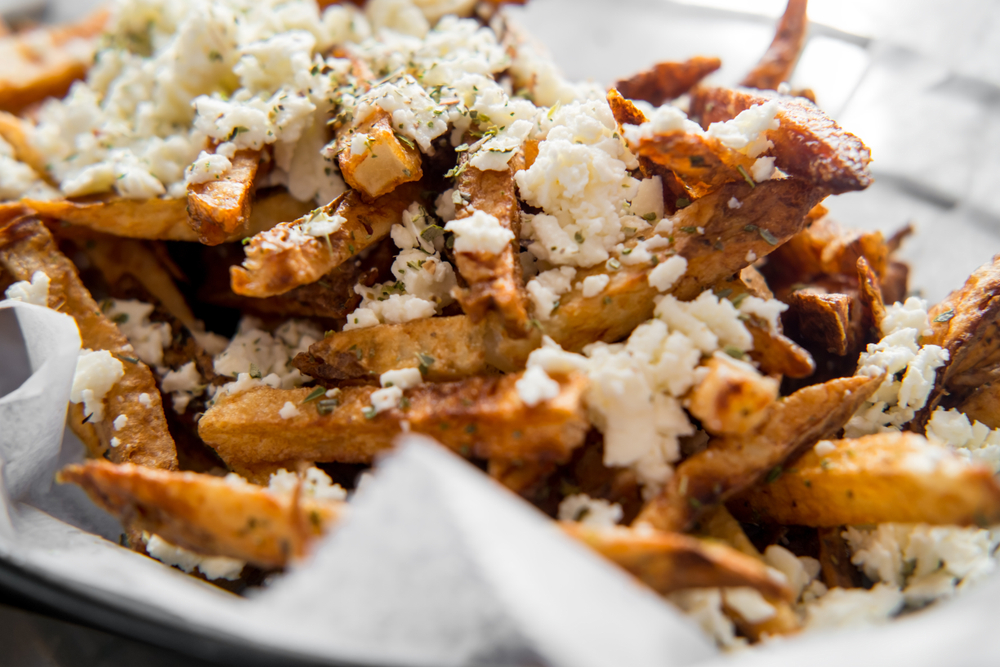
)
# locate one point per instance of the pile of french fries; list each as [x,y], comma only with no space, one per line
[229,464]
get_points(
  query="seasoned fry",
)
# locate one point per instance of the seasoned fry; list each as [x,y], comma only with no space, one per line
[522,477]
[445,348]
[778,355]
[386,161]
[886,477]
[668,562]
[701,163]
[732,464]
[284,257]
[667,81]
[835,560]
[26,246]
[206,514]
[163,219]
[821,318]
[494,281]
[873,307]
[778,62]
[808,144]
[44,63]
[480,416]
[218,210]
[732,398]
[16,132]
[983,405]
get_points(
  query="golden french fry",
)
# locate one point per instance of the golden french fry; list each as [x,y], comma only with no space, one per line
[16,132]
[732,464]
[731,399]
[44,62]
[808,144]
[983,405]
[522,477]
[480,416]
[701,163]
[835,560]
[387,161]
[870,296]
[284,258]
[778,62]
[667,81]
[163,219]
[815,316]
[494,282]
[218,210]
[668,562]
[881,478]
[445,348]
[26,246]
[777,354]
[206,514]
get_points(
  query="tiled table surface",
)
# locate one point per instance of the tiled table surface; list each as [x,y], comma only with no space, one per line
[918,80]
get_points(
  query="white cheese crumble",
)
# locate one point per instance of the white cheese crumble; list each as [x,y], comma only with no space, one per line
[258,354]
[768,310]
[115,442]
[36,292]
[911,314]
[536,386]
[546,288]
[762,169]
[316,484]
[404,378]
[288,410]
[970,439]
[665,274]
[845,607]
[824,447]
[147,338]
[207,167]
[480,232]
[144,400]
[119,422]
[386,399]
[19,180]
[594,285]
[184,383]
[748,603]
[747,132]
[213,567]
[704,606]
[595,512]
[96,373]
[734,203]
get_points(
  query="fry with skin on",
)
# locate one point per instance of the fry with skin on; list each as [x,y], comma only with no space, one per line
[880,478]
[387,161]
[821,318]
[162,219]
[206,514]
[220,209]
[668,562]
[667,81]
[778,62]
[732,398]
[983,405]
[835,560]
[734,463]
[26,246]
[479,416]
[808,144]
[521,477]
[284,258]
[16,132]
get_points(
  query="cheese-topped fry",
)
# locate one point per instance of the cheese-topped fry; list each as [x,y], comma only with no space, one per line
[219,208]
[375,160]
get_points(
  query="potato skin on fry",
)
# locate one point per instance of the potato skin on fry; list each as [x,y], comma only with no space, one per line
[27,246]
[731,399]
[886,477]
[386,162]
[668,562]
[778,62]
[479,416]
[732,464]
[207,514]
[218,209]
[667,81]
[163,219]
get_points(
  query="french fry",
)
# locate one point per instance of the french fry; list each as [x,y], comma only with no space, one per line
[808,144]
[777,354]
[731,464]
[668,562]
[16,132]
[206,514]
[44,62]
[778,62]
[445,348]
[494,282]
[731,399]
[870,295]
[386,162]
[162,219]
[835,560]
[26,246]
[279,261]
[821,318]
[522,477]
[886,477]
[983,405]
[218,210]
[480,416]
[667,81]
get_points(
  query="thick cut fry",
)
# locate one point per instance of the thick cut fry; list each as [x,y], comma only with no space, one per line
[16,132]
[870,295]
[482,416]
[701,163]
[444,348]
[778,62]
[284,258]
[886,477]
[731,464]
[835,560]
[207,514]
[667,81]
[983,405]
[825,248]
[44,63]
[385,163]
[163,219]
[808,144]
[820,318]
[494,281]
[668,562]
[218,210]
[521,477]
[732,398]
[777,354]
[26,246]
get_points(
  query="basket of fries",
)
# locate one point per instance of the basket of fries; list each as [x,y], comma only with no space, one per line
[378,340]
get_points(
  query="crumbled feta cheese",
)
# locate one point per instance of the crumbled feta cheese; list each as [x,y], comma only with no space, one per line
[96,373]
[147,338]
[320,223]
[976,441]
[115,442]
[546,288]
[734,203]
[595,512]
[843,607]
[254,351]
[665,274]
[19,180]
[769,310]
[119,422]
[709,322]
[144,400]
[207,167]
[480,232]
[648,200]
[747,132]
[664,119]
[213,567]
[386,399]
[911,314]
[799,571]
[762,169]
[594,285]
[536,386]
[35,292]
[824,447]
[184,383]
[704,606]
[315,484]
[751,257]
[288,410]
[748,603]
[404,378]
